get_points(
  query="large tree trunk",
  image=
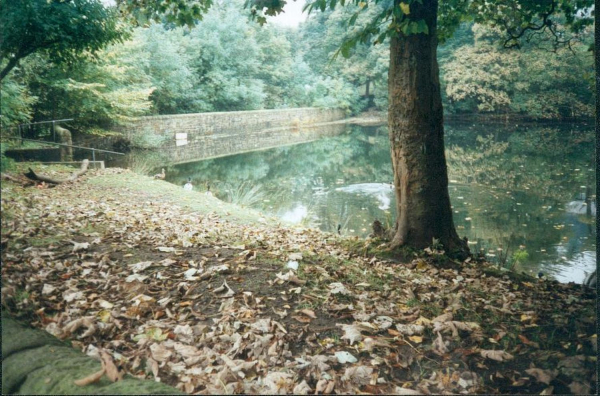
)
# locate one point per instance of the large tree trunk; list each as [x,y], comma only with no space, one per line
[416,133]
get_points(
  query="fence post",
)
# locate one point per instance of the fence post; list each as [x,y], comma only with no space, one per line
[94,158]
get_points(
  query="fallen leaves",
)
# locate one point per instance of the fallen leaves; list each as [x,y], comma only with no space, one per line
[500,356]
[207,306]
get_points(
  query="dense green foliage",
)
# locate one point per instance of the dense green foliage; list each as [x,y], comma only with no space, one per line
[481,77]
[227,62]
[66,31]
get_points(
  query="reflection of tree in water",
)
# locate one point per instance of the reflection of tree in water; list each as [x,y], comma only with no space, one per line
[525,159]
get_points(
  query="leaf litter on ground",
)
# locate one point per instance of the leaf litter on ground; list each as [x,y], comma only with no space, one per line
[207,304]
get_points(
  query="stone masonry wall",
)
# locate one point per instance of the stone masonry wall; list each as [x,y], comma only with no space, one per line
[193,137]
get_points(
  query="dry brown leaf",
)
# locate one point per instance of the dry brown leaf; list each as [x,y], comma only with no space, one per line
[112,372]
[77,246]
[351,333]
[439,346]
[358,375]
[543,376]
[406,391]
[308,312]
[302,319]
[580,388]
[90,379]
[410,329]
[498,355]
[302,389]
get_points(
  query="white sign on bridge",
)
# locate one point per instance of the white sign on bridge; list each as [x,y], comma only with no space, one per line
[181,139]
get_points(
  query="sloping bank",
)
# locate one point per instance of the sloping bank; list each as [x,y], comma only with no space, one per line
[182,288]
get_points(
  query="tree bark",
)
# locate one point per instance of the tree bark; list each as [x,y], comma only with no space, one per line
[9,66]
[416,133]
[33,176]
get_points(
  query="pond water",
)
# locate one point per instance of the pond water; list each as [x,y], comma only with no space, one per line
[518,191]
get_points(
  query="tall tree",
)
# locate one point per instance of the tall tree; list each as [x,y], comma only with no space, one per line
[63,29]
[415,116]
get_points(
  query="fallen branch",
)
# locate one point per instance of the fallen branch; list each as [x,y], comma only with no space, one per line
[33,176]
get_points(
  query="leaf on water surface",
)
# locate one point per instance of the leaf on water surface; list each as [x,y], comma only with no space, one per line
[543,376]
[166,249]
[497,355]
[345,357]
[90,379]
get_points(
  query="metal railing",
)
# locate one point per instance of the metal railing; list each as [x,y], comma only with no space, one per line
[22,127]
[93,150]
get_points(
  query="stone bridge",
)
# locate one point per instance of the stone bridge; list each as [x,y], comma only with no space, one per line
[194,137]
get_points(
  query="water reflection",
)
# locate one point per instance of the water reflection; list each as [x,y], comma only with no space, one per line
[522,195]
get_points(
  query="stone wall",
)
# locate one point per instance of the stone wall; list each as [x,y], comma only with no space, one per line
[193,137]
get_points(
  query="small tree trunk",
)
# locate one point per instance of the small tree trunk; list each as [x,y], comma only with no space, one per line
[416,132]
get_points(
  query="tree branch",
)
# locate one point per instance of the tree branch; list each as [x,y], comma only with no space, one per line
[33,176]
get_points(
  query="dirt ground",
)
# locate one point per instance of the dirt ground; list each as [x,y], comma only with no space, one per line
[199,294]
